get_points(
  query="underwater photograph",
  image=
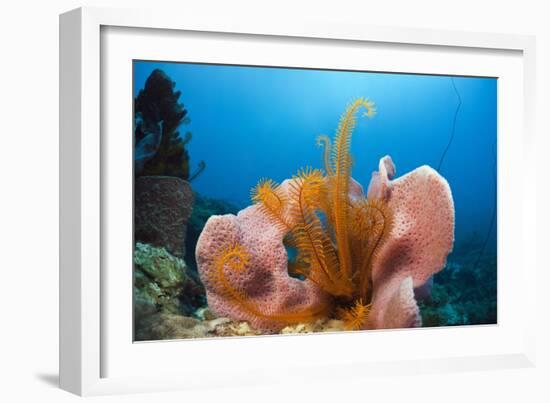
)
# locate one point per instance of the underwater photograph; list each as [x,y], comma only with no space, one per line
[283,200]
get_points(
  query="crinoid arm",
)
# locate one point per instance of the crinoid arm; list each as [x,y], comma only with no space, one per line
[234,258]
[339,192]
[372,221]
[324,141]
[356,316]
[271,199]
[314,245]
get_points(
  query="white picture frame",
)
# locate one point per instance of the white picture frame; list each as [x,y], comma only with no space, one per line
[90,358]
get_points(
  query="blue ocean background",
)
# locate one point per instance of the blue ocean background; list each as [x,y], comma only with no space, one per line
[251,122]
[255,122]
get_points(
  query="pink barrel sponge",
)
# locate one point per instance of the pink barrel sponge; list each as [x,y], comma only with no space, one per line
[270,291]
[418,245]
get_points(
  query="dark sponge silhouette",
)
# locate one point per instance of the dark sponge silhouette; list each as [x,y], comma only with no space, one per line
[160,150]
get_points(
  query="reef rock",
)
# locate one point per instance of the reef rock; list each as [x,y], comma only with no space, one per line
[418,245]
[321,325]
[162,283]
[163,205]
[167,326]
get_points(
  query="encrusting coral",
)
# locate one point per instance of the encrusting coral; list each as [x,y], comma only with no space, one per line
[163,282]
[358,258]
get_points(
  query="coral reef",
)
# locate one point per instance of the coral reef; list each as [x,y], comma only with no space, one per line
[163,205]
[162,283]
[163,198]
[464,293]
[357,257]
[159,148]
[159,278]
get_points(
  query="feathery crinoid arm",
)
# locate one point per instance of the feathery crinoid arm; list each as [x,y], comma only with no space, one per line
[272,201]
[317,258]
[324,141]
[372,222]
[356,316]
[236,259]
[304,192]
[341,166]
[325,204]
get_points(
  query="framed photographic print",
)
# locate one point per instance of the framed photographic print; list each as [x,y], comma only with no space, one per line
[311,196]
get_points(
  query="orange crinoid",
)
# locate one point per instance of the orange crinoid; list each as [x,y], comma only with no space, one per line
[335,252]
[335,237]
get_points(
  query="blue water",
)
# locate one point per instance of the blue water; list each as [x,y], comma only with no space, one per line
[254,122]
